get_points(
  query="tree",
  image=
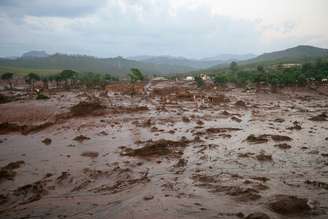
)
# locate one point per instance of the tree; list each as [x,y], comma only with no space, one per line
[220,79]
[233,66]
[199,81]
[58,79]
[8,77]
[110,78]
[260,68]
[52,78]
[45,80]
[31,78]
[92,80]
[67,75]
[136,75]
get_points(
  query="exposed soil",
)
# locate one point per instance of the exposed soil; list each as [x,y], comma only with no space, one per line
[319,118]
[91,154]
[24,129]
[264,157]
[47,141]
[257,139]
[281,138]
[130,109]
[283,146]
[165,149]
[265,138]
[87,108]
[161,147]
[8,172]
[30,193]
[81,138]
[288,205]
[258,215]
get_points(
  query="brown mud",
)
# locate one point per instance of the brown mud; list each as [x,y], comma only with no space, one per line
[165,150]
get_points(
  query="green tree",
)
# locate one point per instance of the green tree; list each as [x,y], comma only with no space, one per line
[31,78]
[68,75]
[45,80]
[110,78]
[260,68]
[199,81]
[8,76]
[233,66]
[58,79]
[92,80]
[136,75]
[220,78]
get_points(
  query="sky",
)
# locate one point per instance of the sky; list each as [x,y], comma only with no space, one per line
[189,28]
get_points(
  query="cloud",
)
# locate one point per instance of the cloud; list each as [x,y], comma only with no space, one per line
[50,8]
[184,28]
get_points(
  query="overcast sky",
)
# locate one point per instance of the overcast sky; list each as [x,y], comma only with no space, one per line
[190,28]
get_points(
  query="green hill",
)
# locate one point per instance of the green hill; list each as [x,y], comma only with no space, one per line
[116,66]
[178,61]
[297,54]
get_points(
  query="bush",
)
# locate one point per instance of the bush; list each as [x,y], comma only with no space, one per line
[136,75]
[221,79]
[276,76]
[92,80]
[41,96]
[199,81]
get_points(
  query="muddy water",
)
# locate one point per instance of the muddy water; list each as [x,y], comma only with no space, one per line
[218,174]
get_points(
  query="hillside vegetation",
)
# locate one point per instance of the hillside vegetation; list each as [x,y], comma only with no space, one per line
[295,55]
[299,54]
[115,66]
[277,75]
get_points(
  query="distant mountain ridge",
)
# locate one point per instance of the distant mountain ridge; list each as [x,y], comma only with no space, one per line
[180,61]
[116,66]
[35,54]
[296,54]
[230,57]
[192,63]
[299,54]
[159,65]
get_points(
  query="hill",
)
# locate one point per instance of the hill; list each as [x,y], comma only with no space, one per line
[230,57]
[192,63]
[298,54]
[35,54]
[116,66]
[178,61]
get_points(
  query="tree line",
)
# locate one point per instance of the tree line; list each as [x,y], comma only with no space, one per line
[276,75]
[71,79]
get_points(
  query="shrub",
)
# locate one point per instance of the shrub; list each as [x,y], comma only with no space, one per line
[136,75]
[220,79]
[41,96]
[199,81]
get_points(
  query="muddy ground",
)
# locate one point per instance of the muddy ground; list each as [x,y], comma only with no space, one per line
[172,152]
